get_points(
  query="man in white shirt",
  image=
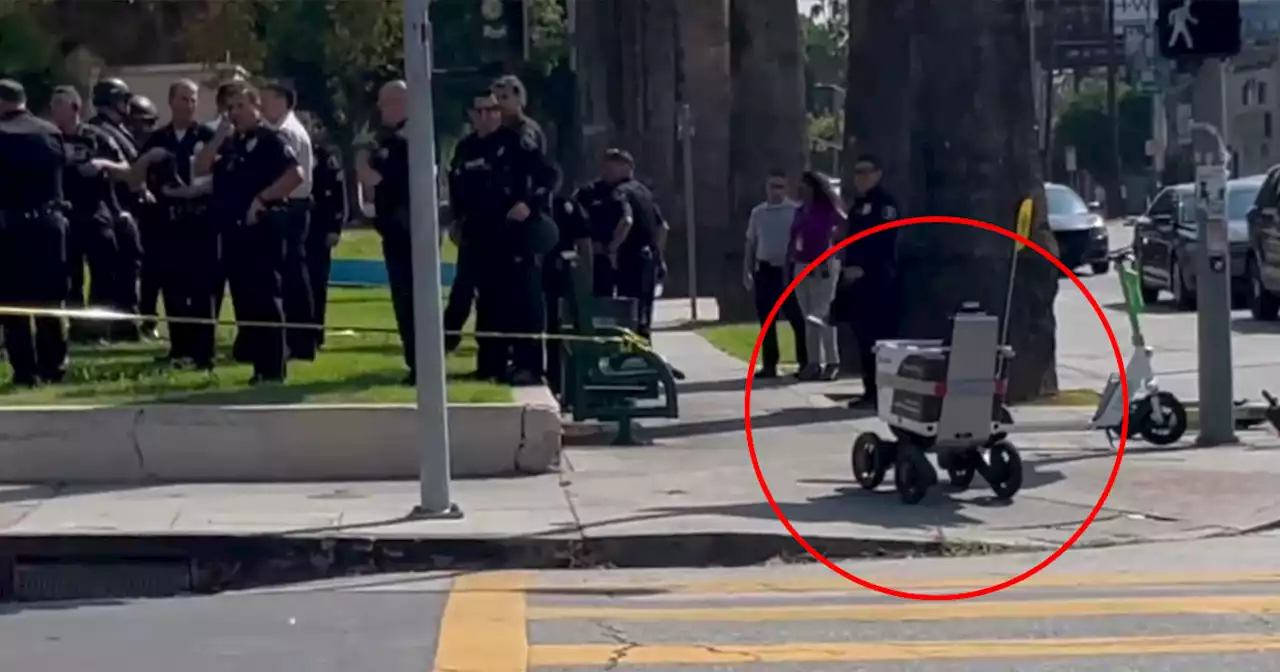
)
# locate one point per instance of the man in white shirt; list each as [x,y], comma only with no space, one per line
[278,103]
[764,269]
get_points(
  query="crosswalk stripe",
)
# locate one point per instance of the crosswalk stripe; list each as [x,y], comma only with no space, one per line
[832,582]
[483,628]
[934,611]
[864,652]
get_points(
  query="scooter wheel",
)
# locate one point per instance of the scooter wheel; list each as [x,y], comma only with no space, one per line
[912,474]
[1166,430]
[961,469]
[869,467]
[1004,470]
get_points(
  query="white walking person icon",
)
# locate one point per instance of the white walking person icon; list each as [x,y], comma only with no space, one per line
[1180,20]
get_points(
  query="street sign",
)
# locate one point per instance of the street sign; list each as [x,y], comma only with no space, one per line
[1211,187]
[1069,158]
[1198,28]
[1078,54]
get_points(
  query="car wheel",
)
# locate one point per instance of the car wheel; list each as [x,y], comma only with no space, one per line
[1183,296]
[1263,305]
[1100,267]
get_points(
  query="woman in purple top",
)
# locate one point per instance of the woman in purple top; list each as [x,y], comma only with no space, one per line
[819,220]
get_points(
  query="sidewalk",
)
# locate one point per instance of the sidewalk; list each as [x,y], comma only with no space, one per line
[690,498]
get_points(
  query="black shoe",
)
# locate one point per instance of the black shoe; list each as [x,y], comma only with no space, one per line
[410,380]
[28,382]
[266,381]
[830,372]
[809,372]
[865,402]
[53,377]
[767,373]
[202,364]
[523,378]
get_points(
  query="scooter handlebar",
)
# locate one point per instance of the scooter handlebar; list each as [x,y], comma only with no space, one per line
[1122,254]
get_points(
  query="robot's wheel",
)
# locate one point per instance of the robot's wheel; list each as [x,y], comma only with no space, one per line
[912,474]
[868,460]
[961,468]
[1003,470]
[1164,430]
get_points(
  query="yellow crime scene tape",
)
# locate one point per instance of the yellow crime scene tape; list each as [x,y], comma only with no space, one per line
[628,339]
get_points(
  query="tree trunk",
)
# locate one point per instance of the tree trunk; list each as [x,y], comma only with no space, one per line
[768,130]
[878,107]
[972,153]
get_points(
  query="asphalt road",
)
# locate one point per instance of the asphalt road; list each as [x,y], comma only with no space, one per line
[1190,606]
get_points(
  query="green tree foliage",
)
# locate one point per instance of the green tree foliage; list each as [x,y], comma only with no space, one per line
[28,51]
[1085,125]
[826,41]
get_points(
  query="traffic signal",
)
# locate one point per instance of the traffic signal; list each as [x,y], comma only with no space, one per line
[1190,29]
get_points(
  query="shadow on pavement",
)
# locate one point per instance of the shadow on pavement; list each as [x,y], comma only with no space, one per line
[1248,325]
[1153,308]
[790,417]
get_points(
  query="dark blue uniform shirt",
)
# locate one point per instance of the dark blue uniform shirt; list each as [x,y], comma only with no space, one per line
[91,196]
[249,162]
[32,160]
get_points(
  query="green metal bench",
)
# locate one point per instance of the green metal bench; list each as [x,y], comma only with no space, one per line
[610,374]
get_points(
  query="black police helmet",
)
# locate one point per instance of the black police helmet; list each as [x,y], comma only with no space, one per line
[142,109]
[110,92]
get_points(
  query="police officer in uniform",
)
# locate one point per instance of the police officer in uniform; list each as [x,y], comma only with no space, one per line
[33,269]
[628,232]
[557,283]
[504,185]
[328,216]
[91,198]
[111,98]
[182,247]
[868,279]
[254,171]
[385,170]
[151,218]
[511,96]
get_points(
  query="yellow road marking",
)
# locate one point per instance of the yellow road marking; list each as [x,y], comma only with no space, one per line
[832,582]
[723,654]
[929,611]
[483,628]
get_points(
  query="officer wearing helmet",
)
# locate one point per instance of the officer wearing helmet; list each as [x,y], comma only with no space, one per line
[111,99]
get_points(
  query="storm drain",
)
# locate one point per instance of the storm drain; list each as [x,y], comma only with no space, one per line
[53,581]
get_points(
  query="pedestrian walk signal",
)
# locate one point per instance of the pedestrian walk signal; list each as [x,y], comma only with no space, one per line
[1198,28]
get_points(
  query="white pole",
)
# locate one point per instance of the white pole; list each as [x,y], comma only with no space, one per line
[432,411]
[691,236]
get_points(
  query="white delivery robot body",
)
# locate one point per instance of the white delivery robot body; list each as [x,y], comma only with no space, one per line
[944,397]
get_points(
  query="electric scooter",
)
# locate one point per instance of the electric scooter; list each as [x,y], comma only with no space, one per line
[1154,414]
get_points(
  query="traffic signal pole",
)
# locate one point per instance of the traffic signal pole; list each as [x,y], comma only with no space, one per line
[1213,258]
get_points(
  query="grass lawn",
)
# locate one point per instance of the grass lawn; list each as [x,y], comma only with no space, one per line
[354,367]
[739,340]
[366,245]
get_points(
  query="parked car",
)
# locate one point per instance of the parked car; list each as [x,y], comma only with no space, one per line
[1263,261]
[1165,239]
[1080,230]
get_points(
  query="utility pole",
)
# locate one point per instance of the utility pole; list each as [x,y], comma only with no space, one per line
[1205,33]
[1114,206]
[1049,34]
[432,412]
[1213,258]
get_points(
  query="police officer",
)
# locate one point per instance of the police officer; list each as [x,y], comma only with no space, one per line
[33,270]
[91,198]
[557,283]
[182,247]
[385,170]
[328,215]
[628,233]
[504,185]
[513,98]
[151,218]
[111,98]
[869,271]
[254,171]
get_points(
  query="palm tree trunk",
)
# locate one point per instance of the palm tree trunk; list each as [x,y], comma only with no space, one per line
[971,151]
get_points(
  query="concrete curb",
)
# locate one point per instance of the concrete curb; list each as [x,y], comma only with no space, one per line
[91,567]
[237,444]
